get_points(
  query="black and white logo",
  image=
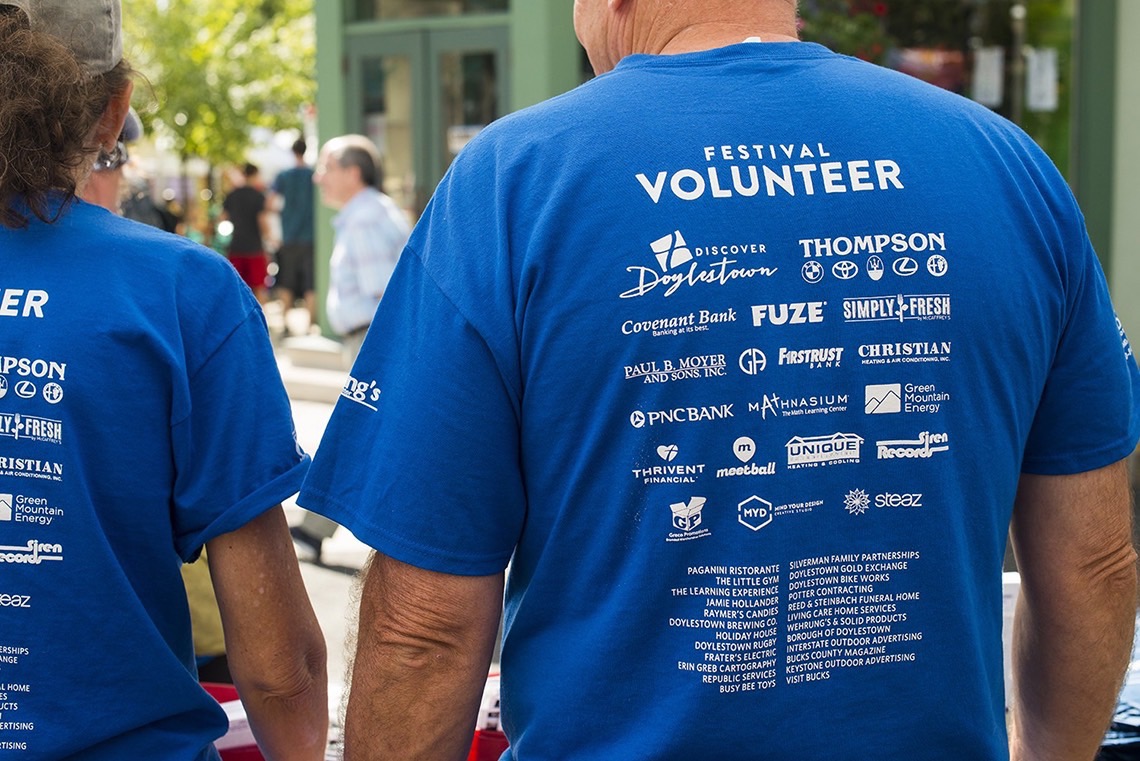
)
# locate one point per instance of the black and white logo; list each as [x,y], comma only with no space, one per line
[814,451]
[845,269]
[898,499]
[937,265]
[875,268]
[3,386]
[53,393]
[15,601]
[669,473]
[812,271]
[799,313]
[754,512]
[25,389]
[33,553]
[752,362]
[898,308]
[639,419]
[678,265]
[687,520]
[30,428]
[883,399]
[856,502]
[924,447]
[904,266]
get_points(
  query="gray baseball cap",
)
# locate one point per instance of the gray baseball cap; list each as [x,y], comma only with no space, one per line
[92,29]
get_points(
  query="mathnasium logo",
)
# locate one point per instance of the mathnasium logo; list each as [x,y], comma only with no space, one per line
[679,265]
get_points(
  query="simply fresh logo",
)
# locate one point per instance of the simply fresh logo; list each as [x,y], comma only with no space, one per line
[679,265]
[924,447]
[816,451]
[897,308]
[30,428]
[687,519]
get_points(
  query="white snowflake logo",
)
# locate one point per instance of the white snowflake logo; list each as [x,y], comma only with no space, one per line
[856,502]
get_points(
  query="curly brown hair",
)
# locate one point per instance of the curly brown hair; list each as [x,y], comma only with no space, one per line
[48,109]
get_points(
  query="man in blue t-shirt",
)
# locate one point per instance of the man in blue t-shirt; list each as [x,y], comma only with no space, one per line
[294,187]
[745,356]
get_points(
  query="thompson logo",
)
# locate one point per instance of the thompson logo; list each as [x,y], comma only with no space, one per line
[800,313]
[33,553]
[30,428]
[687,520]
[815,451]
[677,266]
[924,447]
[897,308]
[639,419]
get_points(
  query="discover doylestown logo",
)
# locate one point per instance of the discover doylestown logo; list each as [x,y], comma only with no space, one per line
[679,264]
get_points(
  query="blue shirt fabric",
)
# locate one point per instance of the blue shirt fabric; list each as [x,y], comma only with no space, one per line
[141,415]
[736,358]
[295,186]
[370,233]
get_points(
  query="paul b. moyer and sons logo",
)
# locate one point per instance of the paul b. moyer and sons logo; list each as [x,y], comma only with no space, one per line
[678,265]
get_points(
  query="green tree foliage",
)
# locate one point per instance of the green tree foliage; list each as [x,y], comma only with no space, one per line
[217,68]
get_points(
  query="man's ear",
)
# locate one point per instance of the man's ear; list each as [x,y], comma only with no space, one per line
[110,124]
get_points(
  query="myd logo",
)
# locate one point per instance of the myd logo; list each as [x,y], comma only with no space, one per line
[754,512]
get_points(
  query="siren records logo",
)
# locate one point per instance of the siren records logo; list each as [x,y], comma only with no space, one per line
[679,265]
[33,553]
[924,447]
[687,520]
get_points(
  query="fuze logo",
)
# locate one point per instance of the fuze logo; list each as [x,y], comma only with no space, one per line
[673,254]
[800,313]
[754,512]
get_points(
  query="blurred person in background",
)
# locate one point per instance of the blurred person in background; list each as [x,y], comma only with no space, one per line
[149,421]
[371,230]
[244,207]
[293,190]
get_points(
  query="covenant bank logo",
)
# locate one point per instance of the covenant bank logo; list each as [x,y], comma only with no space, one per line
[687,520]
[33,553]
[898,308]
[679,265]
[30,428]
[924,447]
[816,451]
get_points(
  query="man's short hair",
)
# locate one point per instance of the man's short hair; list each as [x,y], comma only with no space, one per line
[249,170]
[360,152]
[299,147]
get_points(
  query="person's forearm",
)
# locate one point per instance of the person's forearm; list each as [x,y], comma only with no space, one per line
[420,666]
[290,722]
[1072,637]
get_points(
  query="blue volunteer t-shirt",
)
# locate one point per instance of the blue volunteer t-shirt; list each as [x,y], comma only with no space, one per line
[141,414]
[736,357]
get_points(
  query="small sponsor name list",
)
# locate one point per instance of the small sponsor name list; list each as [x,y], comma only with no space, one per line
[14,733]
[755,627]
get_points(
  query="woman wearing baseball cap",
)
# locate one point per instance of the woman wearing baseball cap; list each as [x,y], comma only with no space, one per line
[141,418]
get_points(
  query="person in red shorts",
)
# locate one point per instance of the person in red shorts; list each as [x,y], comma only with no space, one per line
[245,208]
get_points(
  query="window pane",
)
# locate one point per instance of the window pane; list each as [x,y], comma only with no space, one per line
[469,91]
[387,109]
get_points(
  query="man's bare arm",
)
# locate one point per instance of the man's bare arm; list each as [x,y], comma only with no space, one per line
[422,655]
[274,645]
[1072,638]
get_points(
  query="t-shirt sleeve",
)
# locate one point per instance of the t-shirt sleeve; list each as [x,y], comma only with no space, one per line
[1088,416]
[421,457]
[235,449]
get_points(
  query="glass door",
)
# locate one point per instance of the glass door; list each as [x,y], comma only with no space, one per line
[421,96]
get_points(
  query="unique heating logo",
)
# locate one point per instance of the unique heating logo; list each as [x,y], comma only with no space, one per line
[815,451]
